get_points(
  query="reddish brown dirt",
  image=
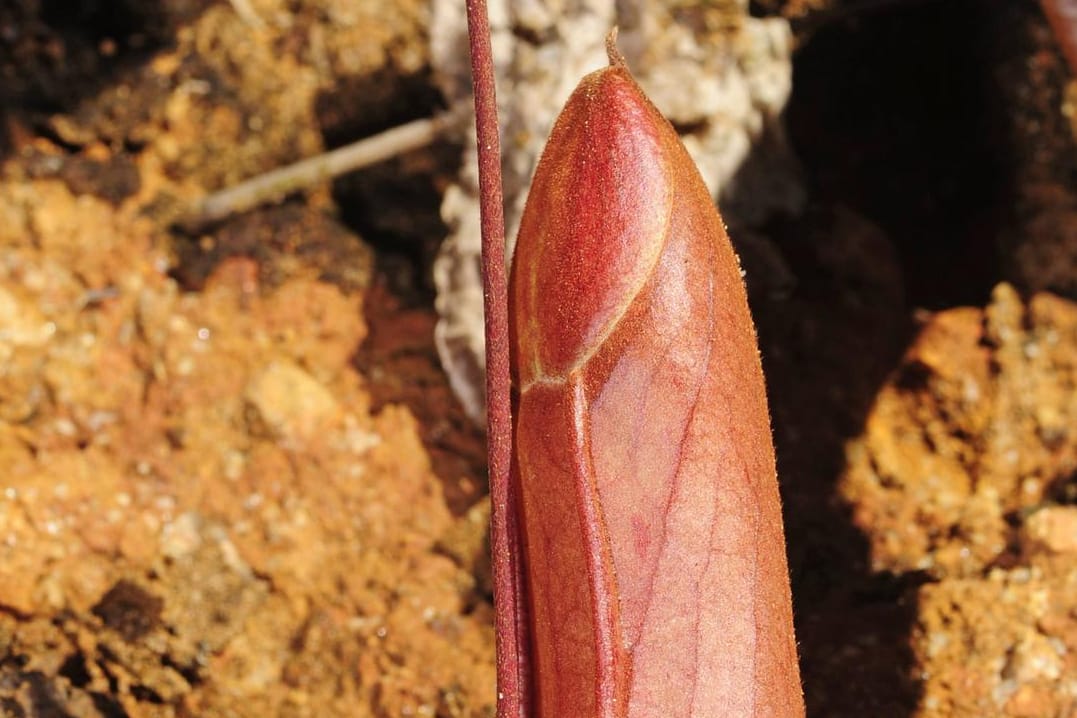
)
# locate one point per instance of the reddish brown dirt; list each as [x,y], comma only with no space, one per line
[207,508]
[967,453]
[233,480]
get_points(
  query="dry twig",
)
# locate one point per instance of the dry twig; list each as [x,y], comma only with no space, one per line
[278,183]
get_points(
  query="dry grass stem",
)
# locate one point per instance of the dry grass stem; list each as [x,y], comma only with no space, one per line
[277,184]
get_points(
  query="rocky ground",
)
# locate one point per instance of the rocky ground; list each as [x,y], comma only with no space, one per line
[234,480]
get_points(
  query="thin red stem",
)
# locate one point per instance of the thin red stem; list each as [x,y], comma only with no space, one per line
[504,537]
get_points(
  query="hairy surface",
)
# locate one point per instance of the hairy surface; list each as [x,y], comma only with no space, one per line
[652,528]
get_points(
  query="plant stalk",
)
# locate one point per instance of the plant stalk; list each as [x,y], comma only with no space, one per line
[512,679]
